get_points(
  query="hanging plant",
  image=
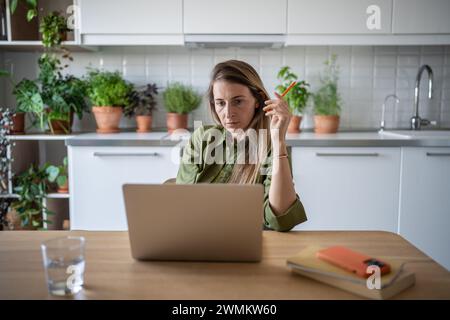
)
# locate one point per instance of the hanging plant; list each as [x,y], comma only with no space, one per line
[53,29]
[5,127]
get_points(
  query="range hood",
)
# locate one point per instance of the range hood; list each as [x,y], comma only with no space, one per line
[234,40]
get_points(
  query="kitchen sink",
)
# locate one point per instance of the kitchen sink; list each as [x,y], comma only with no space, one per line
[435,134]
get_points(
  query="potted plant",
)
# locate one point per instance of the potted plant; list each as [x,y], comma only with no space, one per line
[142,104]
[53,29]
[17,117]
[327,101]
[32,188]
[58,175]
[179,100]
[62,95]
[109,93]
[29,100]
[296,98]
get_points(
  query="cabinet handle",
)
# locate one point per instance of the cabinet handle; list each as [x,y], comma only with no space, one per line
[368,154]
[129,154]
[438,154]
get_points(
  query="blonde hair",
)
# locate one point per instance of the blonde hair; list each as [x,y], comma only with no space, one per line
[235,71]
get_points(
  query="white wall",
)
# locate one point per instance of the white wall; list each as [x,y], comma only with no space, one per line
[368,74]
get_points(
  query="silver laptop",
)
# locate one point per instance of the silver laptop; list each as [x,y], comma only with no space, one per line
[202,222]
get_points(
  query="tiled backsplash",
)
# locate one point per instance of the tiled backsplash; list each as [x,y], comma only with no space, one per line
[367,75]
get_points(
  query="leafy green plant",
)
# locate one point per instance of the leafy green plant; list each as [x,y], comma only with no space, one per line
[142,102]
[298,96]
[52,96]
[107,88]
[327,100]
[32,8]
[58,174]
[32,188]
[179,98]
[53,27]
[29,100]
[61,94]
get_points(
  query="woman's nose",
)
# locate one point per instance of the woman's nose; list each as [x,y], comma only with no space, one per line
[228,111]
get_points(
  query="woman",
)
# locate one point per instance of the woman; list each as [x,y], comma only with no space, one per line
[256,127]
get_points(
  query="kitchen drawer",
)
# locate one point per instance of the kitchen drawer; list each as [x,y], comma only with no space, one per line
[96,176]
[348,188]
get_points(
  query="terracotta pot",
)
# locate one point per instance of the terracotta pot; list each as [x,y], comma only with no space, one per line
[326,124]
[62,126]
[294,124]
[144,123]
[176,121]
[107,118]
[14,223]
[64,188]
[18,125]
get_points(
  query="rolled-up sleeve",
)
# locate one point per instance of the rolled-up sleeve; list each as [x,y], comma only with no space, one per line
[293,216]
[190,163]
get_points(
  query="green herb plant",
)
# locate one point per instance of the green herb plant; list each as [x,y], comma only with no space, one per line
[327,100]
[106,88]
[298,96]
[181,99]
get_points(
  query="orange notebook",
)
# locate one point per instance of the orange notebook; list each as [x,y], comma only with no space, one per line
[307,264]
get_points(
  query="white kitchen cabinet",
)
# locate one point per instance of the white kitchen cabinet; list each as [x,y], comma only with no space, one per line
[425,201]
[131,22]
[234,17]
[348,188]
[339,17]
[421,17]
[96,176]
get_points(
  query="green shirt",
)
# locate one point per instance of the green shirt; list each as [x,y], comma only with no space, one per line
[200,171]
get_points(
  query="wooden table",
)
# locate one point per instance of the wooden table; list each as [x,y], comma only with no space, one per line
[111,273]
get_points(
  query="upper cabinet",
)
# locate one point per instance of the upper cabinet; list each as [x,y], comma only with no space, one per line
[116,22]
[235,17]
[339,17]
[421,17]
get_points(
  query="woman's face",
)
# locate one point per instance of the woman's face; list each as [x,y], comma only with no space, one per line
[234,104]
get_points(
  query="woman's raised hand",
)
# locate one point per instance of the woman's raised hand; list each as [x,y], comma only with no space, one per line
[280,115]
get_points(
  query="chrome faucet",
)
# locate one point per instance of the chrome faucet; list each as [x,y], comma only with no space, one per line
[397,100]
[416,121]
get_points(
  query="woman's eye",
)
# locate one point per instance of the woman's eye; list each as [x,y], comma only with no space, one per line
[220,103]
[237,102]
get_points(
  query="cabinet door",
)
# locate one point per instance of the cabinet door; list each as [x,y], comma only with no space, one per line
[339,17]
[348,188]
[425,201]
[234,17]
[421,16]
[131,17]
[96,176]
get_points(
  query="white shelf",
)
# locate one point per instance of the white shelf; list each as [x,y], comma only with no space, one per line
[41,136]
[53,195]
[37,45]
[58,196]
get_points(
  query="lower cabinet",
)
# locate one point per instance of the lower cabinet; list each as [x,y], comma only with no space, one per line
[425,201]
[96,176]
[348,188]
